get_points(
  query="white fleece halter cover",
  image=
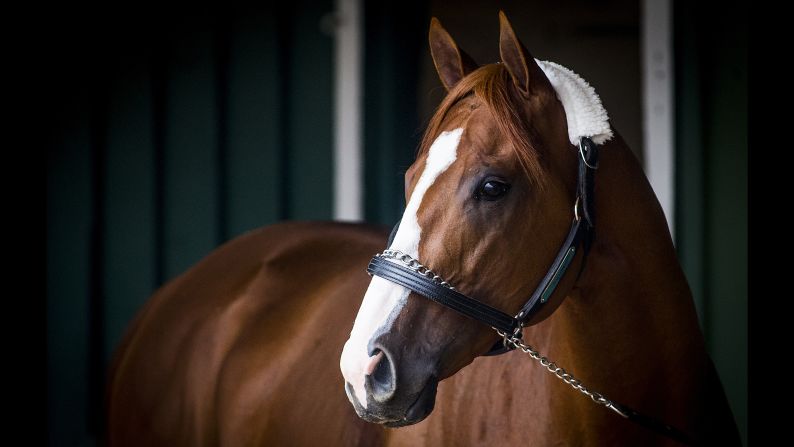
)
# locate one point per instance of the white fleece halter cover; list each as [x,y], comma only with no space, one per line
[583,110]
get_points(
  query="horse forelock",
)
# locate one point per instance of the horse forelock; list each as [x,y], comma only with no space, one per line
[492,85]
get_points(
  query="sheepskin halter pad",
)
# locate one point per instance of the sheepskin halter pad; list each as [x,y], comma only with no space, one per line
[583,109]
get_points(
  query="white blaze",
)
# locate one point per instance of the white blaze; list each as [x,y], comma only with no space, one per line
[384,300]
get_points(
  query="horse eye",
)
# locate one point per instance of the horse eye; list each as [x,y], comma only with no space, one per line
[492,190]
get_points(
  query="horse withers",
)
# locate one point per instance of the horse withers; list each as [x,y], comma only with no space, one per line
[244,348]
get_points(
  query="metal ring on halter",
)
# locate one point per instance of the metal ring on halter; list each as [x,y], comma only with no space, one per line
[576,209]
[584,159]
[518,332]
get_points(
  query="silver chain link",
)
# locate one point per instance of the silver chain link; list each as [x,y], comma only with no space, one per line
[515,339]
[414,265]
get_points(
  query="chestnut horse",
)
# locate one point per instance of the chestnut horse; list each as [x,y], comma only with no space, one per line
[244,348]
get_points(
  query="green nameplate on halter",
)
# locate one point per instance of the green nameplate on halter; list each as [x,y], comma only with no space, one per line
[557,275]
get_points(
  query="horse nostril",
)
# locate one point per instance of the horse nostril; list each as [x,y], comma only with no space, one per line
[382,374]
[382,383]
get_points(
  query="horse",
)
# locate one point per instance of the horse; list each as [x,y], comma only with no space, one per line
[253,345]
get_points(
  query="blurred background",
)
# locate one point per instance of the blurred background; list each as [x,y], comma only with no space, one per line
[174,129]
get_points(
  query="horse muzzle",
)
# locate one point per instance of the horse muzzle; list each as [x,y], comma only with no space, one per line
[398,392]
[393,413]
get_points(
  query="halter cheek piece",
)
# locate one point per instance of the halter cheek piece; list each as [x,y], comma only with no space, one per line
[401,269]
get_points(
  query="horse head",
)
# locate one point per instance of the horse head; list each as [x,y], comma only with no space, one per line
[489,201]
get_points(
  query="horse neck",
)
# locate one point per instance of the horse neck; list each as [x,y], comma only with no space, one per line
[629,321]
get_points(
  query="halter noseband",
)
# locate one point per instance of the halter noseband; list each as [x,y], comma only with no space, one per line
[408,272]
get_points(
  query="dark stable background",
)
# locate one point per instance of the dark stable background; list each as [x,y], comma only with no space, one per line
[171,130]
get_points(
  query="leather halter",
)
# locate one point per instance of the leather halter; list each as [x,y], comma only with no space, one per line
[580,233]
[424,282]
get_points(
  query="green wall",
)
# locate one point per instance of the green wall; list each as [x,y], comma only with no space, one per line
[711,228]
[394,46]
[172,132]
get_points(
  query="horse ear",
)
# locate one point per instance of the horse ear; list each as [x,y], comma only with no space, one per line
[451,62]
[522,66]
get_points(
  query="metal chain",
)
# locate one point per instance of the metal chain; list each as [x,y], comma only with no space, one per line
[517,341]
[414,265]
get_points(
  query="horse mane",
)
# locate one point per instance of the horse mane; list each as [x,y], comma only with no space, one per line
[491,83]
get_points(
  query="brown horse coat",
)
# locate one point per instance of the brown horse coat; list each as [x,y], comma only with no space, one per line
[243,348]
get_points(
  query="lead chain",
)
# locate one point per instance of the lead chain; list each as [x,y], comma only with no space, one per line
[563,375]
